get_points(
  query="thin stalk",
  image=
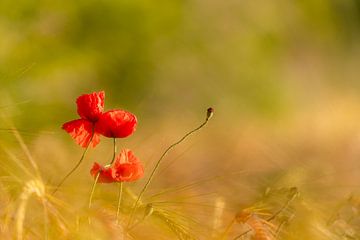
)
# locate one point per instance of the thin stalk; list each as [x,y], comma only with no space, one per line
[76,166]
[23,146]
[98,175]
[21,212]
[93,189]
[119,202]
[114,155]
[46,229]
[208,116]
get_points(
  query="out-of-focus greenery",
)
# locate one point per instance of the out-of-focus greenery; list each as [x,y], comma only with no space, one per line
[243,56]
[283,77]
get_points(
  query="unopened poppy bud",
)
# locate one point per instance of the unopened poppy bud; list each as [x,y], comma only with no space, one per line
[210,113]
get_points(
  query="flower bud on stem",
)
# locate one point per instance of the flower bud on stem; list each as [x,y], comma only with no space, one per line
[209,114]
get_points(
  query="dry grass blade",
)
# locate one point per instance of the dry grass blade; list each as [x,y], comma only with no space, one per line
[35,187]
[27,152]
[195,183]
[179,227]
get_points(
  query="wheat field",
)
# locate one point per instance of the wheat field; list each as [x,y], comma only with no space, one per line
[277,157]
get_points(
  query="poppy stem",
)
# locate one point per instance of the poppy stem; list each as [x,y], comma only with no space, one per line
[93,188]
[114,155]
[76,166]
[98,175]
[119,202]
[209,114]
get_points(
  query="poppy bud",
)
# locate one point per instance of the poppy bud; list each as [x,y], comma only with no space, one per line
[209,113]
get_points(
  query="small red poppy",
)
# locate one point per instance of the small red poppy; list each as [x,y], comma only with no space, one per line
[116,124]
[126,168]
[89,108]
[105,176]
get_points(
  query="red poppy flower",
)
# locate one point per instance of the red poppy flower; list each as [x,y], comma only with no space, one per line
[126,168]
[105,176]
[89,108]
[116,124]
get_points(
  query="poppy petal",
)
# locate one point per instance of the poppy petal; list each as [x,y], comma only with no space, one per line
[128,172]
[116,124]
[138,172]
[90,106]
[126,156]
[81,131]
[105,176]
[127,167]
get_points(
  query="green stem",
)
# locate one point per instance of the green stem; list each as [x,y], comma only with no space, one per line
[93,188]
[76,166]
[119,202]
[114,155]
[209,115]
[98,175]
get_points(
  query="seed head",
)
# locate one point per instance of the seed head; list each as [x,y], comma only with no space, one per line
[210,113]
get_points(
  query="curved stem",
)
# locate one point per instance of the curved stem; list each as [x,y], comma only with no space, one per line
[119,202]
[76,166]
[72,171]
[209,115]
[98,175]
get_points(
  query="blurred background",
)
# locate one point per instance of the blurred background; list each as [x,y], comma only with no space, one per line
[282,76]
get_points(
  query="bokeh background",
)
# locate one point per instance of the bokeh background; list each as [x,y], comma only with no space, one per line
[282,76]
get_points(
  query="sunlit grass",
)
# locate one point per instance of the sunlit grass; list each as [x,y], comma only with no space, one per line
[296,201]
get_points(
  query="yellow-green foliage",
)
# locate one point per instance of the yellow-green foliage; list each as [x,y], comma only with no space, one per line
[283,77]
